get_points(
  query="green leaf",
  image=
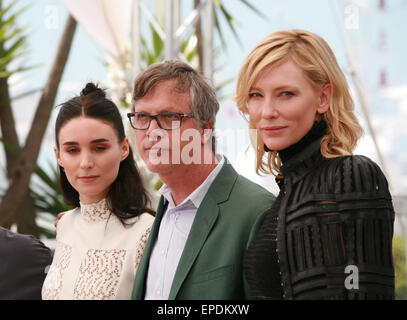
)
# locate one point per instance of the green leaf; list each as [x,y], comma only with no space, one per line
[254,9]
[17,70]
[14,52]
[157,43]
[47,179]
[12,39]
[13,34]
[18,44]
[220,10]
[12,18]
[192,54]
[4,11]
[5,74]
[43,231]
[46,192]
[230,21]
[8,23]
[219,30]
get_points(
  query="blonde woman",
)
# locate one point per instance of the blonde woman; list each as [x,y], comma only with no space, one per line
[329,233]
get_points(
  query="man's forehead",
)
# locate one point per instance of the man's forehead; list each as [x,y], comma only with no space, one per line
[172,85]
[165,96]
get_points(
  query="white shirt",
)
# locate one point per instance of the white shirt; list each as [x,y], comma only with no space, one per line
[172,236]
[96,256]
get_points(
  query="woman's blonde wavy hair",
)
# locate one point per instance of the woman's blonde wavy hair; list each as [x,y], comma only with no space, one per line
[314,56]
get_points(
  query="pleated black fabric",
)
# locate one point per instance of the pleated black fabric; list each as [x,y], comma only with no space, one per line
[330,215]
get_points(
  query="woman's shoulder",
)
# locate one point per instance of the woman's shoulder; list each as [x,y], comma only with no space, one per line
[355,163]
[146,218]
[142,221]
[69,215]
[356,173]
[139,227]
[359,159]
[66,221]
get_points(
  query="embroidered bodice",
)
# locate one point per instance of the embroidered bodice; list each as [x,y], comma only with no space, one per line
[96,255]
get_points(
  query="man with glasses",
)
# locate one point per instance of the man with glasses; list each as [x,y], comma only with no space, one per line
[207,214]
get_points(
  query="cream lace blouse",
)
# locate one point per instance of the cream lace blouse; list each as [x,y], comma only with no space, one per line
[96,256]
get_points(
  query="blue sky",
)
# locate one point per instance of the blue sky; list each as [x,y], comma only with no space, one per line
[86,63]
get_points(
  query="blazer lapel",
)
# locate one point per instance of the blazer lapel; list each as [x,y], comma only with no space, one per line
[205,219]
[141,274]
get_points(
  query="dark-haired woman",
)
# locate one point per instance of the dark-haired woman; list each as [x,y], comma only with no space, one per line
[100,243]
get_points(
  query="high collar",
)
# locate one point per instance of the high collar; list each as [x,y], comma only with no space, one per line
[305,154]
[95,211]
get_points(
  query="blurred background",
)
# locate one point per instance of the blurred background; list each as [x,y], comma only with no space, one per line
[49,49]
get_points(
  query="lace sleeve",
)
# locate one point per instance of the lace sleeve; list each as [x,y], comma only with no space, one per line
[141,245]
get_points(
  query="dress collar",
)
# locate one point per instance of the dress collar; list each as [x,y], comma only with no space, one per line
[305,154]
[95,211]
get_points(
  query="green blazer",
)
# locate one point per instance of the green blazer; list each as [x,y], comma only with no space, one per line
[211,265]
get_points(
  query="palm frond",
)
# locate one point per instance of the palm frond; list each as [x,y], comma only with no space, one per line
[231,20]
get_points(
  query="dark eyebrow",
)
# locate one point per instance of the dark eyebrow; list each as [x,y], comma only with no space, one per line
[72,143]
[99,140]
[69,143]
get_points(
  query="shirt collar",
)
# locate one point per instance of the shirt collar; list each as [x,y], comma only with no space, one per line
[197,196]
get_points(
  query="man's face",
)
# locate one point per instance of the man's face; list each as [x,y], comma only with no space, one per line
[162,150]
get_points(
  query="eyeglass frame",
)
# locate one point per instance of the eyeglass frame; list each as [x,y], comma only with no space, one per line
[155,117]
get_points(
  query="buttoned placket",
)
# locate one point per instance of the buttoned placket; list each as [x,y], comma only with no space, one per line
[171,217]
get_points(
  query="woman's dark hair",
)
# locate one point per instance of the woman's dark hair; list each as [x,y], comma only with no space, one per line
[127,196]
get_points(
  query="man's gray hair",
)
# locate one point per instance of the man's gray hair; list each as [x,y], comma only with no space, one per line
[202,95]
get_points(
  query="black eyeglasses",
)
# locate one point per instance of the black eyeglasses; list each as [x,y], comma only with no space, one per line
[165,120]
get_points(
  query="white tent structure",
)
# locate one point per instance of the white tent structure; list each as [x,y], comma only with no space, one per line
[116,25]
